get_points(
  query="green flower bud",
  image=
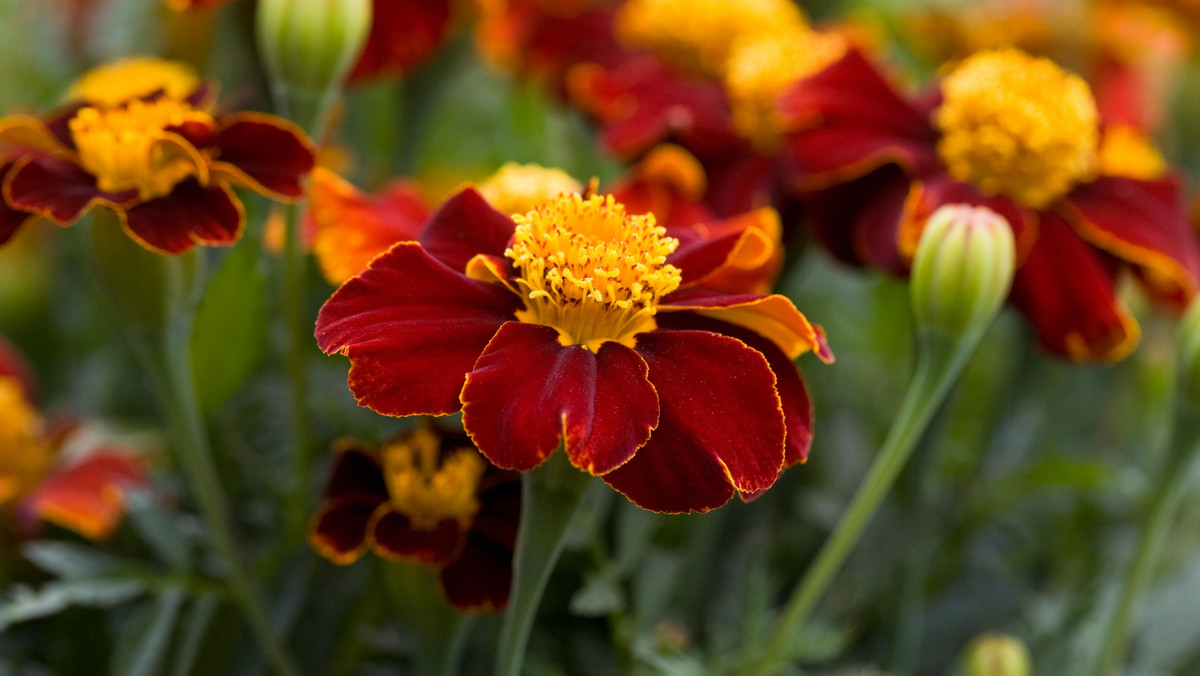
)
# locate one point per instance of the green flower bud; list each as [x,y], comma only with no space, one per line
[996,655]
[1189,352]
[308,47]
[962,270]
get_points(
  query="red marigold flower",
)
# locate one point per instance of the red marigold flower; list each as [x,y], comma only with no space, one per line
[430,498]
[1017,135]
[404,33]
[580,325]
[165,165]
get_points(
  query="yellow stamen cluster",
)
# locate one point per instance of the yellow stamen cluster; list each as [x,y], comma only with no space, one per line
[762,67]
[428,486]
[695,36]
[1125,151]
[1018,126]
[517,188]
[124,80]
[591,271]
[128,147]
[24,456]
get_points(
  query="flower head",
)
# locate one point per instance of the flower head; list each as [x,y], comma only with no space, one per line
[166,165]
[427,497]
[580,325]
[138,77]
[517,188]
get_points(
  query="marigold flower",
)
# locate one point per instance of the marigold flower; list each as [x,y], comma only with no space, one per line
[404,33]
[581,325]
[1016,135]
[430,498]
[544,38]
[164,165]
[36,481]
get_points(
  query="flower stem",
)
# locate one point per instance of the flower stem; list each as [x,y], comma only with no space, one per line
[1168,494]
[940,360]
[440,632]
[550,498]
[299,340]
[155,297]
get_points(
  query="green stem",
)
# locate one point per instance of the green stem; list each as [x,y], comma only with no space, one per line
[441,633]
[156,297]
[940,360]
[550,497]
[299,340]
[1168,495]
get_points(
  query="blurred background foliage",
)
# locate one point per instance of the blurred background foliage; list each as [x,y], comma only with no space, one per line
[1018,513]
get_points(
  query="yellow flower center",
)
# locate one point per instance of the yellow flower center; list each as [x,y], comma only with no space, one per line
[115,83]
[1125,151]
[428,486]
[1018,126]
[590,270]
[695,36]
[24,457]
[761,67]
[517,188]
[128,147]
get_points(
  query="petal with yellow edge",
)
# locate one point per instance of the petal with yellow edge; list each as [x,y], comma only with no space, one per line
[738,254]
[721,428]
[57,190]
[267,154]
[466,225]
[528,394]
[86,497]
[339,529]
[190,215]
[393,536]
[412,328]
[773,317]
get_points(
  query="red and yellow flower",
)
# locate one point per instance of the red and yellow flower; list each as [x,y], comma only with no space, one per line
[1018,135]
[580,325]
[138,142]
[38,483]
[427,497]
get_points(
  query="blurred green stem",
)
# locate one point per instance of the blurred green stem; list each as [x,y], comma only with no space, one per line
[155,297]
[550,497]
[1167,495]
[940,360]
[441,633]
[299,339]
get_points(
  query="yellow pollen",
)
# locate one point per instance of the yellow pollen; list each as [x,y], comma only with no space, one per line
[695,36]
[24,457]
[129,147]
[428,486]
[762,67]
[518,188]
[1125,151]
[1018,126]
[123,80]
[590,270]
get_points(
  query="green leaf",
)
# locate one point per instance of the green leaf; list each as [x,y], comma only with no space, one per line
[599,596]
[231,327]
[23,603]
[76,561]
[194,626]
[158,529]
[144,639]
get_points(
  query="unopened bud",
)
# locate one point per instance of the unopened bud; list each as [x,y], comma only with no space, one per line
[963,269]
[308,47]
[997,655]
[1189,352]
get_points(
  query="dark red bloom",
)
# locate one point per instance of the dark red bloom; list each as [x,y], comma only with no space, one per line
[634,371]
[404,33]
[430,498]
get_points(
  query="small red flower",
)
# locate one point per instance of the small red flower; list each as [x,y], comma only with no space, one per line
[165,165]
[404,33]
[430,498]
[1021,137]
[579,325]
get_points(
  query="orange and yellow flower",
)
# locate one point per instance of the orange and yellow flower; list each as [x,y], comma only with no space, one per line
[1018,135]
[138,141]
[427,497]
[582,325]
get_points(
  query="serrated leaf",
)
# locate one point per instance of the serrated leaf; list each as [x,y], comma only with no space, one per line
[143,640]
[74,561]
[194,627]
[24,603]
[231,327]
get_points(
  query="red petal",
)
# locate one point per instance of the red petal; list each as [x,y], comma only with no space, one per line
[499,512]
[87,497]
[774,317]
[464,226]
[1065,287]
[403,34]
[851,121]
[721,427]
[11,219]
[392,535]
[339,529]
[267,154]
[850,218]
[939,190]
[355,471]
[527,394]
[480,578]
[190,215]
[57,189]
[412,329]
[1142,222]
